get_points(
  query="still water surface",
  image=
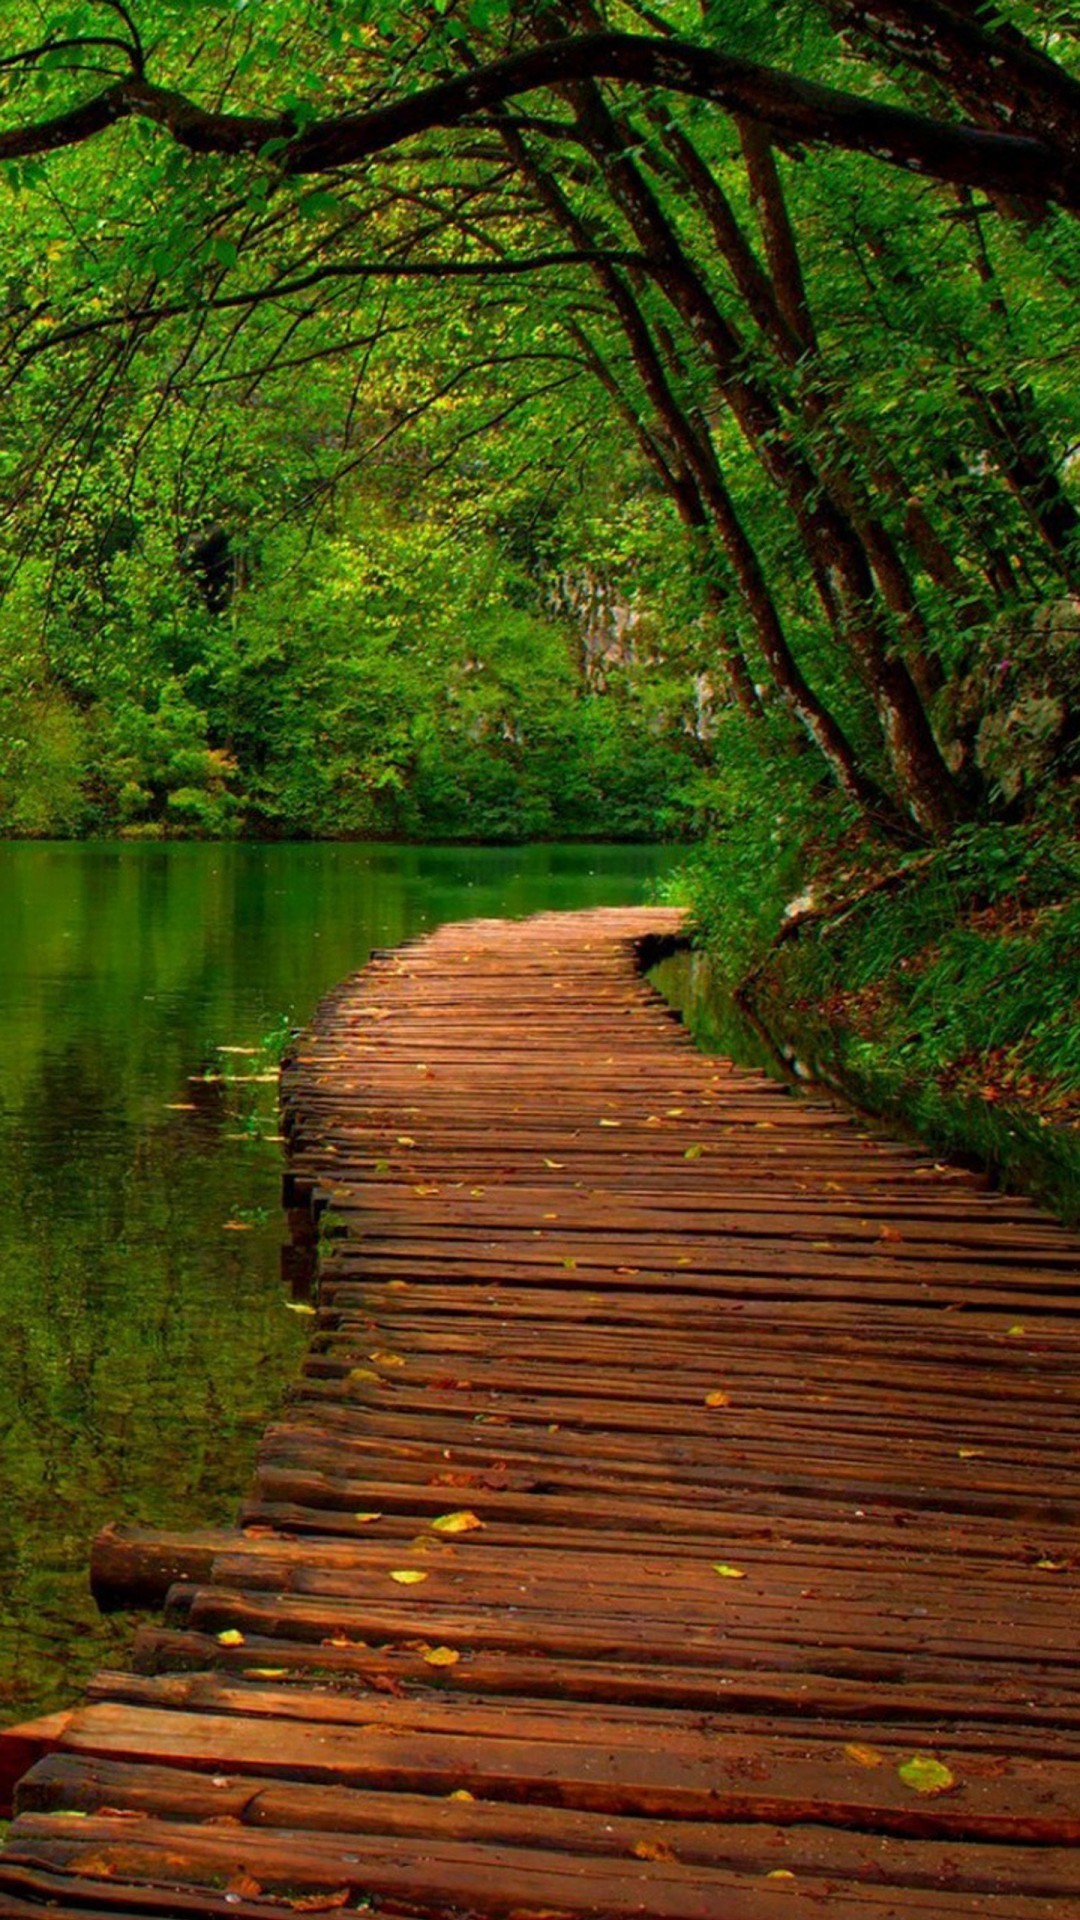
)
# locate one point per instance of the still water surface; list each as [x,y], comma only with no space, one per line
[143,1340]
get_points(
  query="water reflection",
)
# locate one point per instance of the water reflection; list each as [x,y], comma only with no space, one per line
[142,1319]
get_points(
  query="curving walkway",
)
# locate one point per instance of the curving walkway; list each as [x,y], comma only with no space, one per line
[678,1515]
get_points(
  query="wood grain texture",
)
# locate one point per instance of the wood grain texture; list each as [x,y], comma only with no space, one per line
[729,1450]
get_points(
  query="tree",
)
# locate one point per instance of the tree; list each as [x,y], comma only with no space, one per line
[564,178]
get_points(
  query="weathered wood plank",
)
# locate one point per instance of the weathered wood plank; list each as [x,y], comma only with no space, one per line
[761,1432]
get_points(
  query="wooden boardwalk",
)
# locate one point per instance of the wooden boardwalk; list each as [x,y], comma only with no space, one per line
[678,1516]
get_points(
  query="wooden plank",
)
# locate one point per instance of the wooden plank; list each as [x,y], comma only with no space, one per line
[762,1430]
[168,1792]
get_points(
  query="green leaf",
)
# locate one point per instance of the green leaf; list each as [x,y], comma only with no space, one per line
[925,1774]
[312,206]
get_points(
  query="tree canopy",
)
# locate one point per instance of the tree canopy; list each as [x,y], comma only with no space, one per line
[747,325]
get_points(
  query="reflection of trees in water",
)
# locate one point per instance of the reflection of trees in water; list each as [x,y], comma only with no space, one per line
[139,1350]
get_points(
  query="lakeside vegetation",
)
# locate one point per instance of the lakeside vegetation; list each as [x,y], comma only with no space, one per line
[497,420]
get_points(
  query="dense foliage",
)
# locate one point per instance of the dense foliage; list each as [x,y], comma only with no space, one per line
[250,247]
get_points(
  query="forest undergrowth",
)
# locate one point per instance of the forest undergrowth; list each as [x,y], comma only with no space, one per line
[939,989]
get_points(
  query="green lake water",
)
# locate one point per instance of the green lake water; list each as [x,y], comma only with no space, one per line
[144,1341]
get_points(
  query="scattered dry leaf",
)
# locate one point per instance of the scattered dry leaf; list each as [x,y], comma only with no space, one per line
[442,1657]
[718,1398]
[464,1521]
[408,1576]
[653,1850]
[232,1637]
[243,1884]
[727,1572]
[864,1756]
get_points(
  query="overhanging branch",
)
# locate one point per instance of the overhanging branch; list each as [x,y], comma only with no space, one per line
[791,107]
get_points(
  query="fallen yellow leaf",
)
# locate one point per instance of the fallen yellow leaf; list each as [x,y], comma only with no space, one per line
[728,1573]
[231,1637]
[442,1657]
[461,1793]
[408,1576]
[366,1519]
[718,1399]
[864,1756]
[653,1850]
[462,1521]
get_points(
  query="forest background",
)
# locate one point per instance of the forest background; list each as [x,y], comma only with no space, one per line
[502,420]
